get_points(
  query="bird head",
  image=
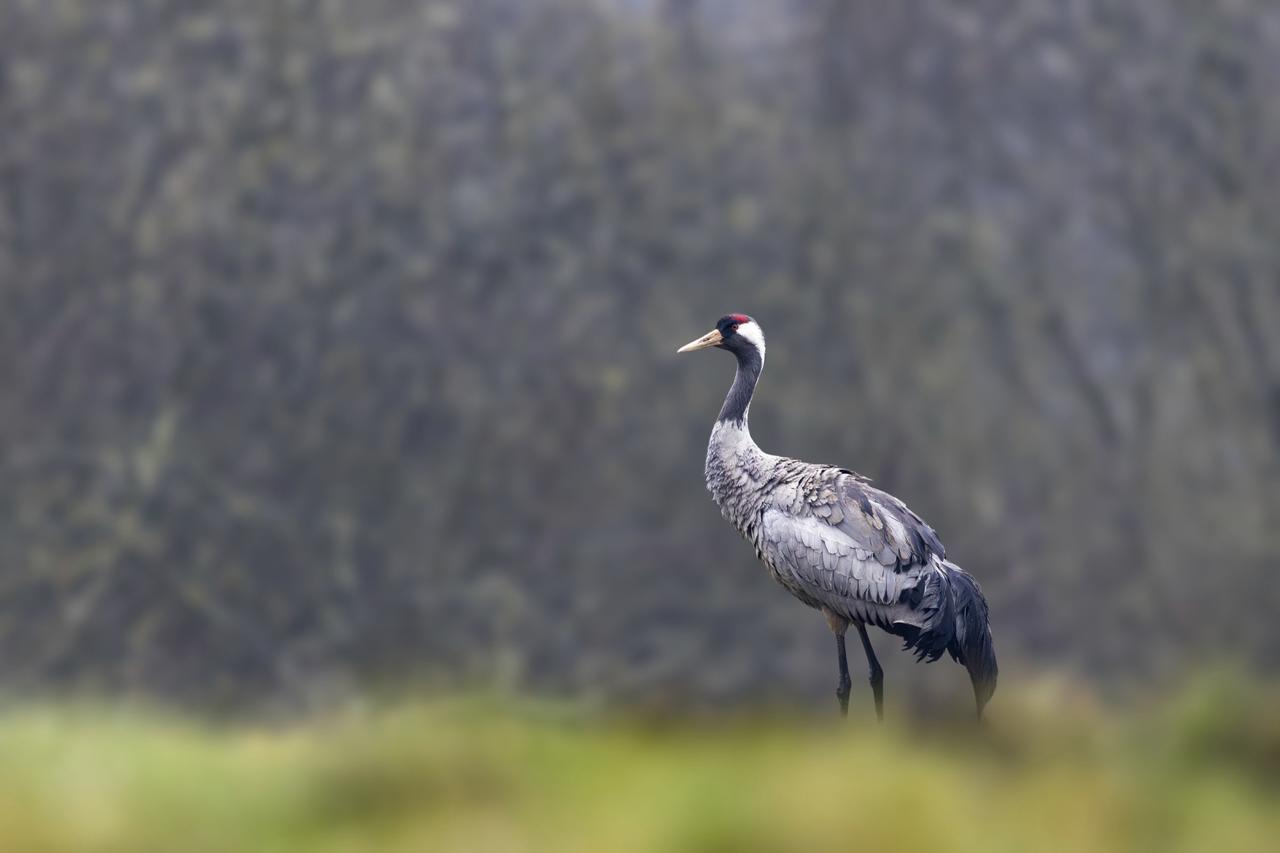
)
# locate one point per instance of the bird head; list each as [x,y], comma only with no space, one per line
[737,333]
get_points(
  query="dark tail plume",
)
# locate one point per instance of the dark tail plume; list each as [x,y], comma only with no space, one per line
[934,607]
[971,645]
[951,616]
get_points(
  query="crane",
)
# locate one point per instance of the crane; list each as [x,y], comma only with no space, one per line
[838,544]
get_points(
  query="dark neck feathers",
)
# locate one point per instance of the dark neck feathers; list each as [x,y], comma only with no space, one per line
[744,384]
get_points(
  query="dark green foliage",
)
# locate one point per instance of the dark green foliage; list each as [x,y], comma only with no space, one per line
[337,338]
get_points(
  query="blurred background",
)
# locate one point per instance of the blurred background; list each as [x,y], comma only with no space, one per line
[337,342]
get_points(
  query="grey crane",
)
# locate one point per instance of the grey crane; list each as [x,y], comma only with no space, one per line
[838,544]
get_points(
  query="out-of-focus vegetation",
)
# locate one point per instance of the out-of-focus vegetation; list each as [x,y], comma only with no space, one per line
[336,338]
[1049,772]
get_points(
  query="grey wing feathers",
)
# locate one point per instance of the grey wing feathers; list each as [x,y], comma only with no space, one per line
[825,568]
[851,548]
[877,522]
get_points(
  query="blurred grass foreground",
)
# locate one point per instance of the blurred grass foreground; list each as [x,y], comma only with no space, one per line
[1049,771]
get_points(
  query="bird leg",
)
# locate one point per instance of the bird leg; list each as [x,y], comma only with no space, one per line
[877,674]
[845,684]
[839,625]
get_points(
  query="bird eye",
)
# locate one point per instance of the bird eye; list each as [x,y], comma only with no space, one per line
[733,328]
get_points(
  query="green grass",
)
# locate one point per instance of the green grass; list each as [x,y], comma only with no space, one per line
[1200,771]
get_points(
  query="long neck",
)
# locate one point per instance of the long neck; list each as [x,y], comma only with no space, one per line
[744,385]
[735,464]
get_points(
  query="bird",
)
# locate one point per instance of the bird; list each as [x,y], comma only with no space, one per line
[837,543]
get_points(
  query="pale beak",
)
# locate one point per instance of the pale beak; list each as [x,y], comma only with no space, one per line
[710,339]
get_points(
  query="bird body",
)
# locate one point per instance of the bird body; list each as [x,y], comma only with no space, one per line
[837,543]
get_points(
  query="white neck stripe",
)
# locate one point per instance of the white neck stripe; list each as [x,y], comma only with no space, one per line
[752,332]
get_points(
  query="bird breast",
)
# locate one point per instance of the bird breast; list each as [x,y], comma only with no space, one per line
[738,476]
